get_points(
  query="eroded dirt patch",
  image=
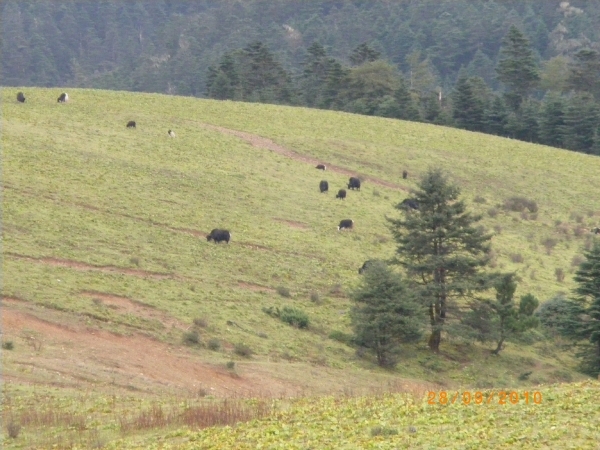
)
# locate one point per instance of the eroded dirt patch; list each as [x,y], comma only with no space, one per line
[78,265]
[76,355]
[125,305]
[265,143]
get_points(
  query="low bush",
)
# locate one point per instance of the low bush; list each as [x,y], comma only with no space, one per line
[519,204]
[294,317]
[242,349]
[191,338]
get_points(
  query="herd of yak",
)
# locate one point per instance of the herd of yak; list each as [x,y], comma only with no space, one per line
[221,235]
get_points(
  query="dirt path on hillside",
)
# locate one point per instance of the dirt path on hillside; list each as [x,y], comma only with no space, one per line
[79,265]
[58,349]
[265,143]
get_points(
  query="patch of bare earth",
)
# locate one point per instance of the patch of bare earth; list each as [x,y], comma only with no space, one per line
[261,142]
[78,265]
[57,349]
[292,223]
[125,305]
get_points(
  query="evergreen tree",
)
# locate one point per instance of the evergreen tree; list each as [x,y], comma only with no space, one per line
[363,54]
[223,82]
[370,84]
[441,249]
[517,68]
[496,117]
[482,66]
[552,121]
[263,78]
[316,69]
[530,128]
[581,122]
[510,320]
[584,73]
[336,87]
[431,109]
[588,295]
[406,105]
[467,109]
[385,314]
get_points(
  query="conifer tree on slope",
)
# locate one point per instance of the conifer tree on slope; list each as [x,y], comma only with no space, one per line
[441,249]
[517,67]
[588,296]
[467,109]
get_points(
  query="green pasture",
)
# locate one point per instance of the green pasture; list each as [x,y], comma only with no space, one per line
[80,187]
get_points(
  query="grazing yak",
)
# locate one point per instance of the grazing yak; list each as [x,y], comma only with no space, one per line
[131,124]
[217,235]
[404,174]
[321,167]
[324,186]
[171,133]
[346,224]
[409,203]
[341,194]
[596,230]
[354,183]
[64,97]
[21,97]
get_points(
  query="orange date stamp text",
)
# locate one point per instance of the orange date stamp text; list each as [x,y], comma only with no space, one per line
[482,398]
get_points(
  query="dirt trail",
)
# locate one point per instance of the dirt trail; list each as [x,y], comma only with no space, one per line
[125,305]
[78,265]
[261,142]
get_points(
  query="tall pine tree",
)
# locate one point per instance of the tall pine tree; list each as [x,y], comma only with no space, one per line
[588,295]
[552,121]
[441,249]
[517,67]
[467,109]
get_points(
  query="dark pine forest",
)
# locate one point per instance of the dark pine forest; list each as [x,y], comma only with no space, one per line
[528,70]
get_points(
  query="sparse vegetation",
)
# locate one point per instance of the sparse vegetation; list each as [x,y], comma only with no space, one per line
[516,258]
[519,204]
[214,344]
[283,291]
[549,244]
[8,345]
[200,322]
[560,274]
[243,350]
[294,317]
[191,337]
[315,298]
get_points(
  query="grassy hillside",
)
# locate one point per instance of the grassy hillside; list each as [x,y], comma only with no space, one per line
[106,268]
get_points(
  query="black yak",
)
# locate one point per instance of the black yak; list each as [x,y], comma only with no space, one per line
[323,186]
[131,124]
[64,97]
[20,97]
[321,167]
[341,194]
[346,224]
[354,183]
[217,235]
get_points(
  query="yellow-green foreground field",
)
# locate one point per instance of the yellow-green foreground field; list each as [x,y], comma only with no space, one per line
[122,318]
